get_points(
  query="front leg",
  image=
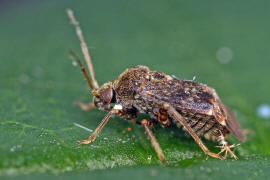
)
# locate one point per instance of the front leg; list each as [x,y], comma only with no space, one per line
[127,114]
[85,107]
[98,129]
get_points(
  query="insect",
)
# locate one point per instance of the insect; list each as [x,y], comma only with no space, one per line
[168,100]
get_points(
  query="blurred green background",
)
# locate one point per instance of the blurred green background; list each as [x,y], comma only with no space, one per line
[225,44]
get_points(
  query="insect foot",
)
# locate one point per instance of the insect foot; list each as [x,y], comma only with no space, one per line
[98,129]
[227,148]
[86,141]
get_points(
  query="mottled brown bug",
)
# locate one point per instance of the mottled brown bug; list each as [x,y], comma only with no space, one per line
[168,100]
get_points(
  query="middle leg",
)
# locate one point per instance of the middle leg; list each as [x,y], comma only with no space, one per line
[145,123]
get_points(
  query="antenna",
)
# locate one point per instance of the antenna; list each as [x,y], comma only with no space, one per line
[94,92]
[85,51]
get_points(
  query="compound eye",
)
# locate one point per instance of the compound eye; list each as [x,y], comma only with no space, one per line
[107,96]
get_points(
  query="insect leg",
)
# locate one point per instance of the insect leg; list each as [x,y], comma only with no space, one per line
[85,107]
[97,130]
[162,116]
[145,123]
[127,114]
[174,114]
[225,147]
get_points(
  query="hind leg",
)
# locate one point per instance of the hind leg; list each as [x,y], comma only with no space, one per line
[174,114]
[225,147]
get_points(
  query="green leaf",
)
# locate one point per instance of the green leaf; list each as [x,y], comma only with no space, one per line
[224,44]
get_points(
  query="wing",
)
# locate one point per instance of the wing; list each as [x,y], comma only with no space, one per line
[233,126]
[191,96]
[181,94]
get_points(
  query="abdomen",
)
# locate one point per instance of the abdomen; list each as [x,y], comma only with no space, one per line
[203,125]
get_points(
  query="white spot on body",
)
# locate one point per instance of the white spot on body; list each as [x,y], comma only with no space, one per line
[136,96]
[193,90]
[223,123]
[263,111]
[118,107]
[210,112]
[149,92]
[224,55]
[190,99]
[169,77]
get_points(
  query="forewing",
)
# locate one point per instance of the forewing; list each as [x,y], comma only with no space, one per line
[233,126]
[181,94]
